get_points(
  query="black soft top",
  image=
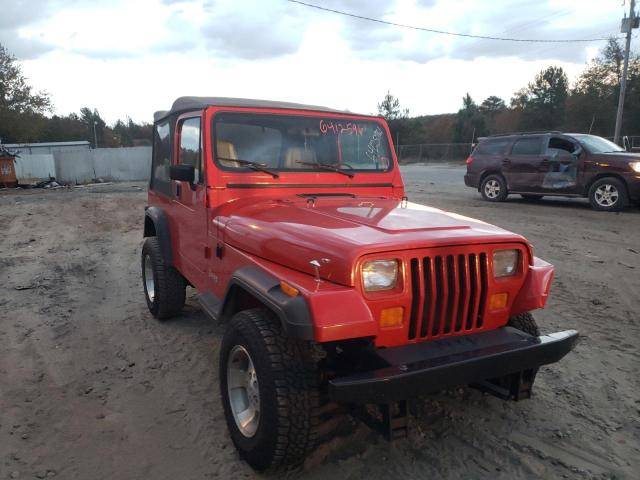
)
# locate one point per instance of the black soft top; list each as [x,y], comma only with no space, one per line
[185,104]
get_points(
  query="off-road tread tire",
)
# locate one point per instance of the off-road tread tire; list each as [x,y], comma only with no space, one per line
[504,193]
[526,323]
[170,285]
[623,197]
[290,396]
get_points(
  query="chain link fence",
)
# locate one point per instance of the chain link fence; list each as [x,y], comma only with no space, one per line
[434,152]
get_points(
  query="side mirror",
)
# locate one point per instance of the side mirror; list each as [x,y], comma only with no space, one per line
[182,173]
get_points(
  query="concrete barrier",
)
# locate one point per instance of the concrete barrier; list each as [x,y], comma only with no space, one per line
[112,164]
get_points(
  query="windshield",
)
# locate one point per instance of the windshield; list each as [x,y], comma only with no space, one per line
[288,142]
[598,144]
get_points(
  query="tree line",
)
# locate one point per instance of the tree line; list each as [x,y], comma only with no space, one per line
[549,102]
[24,116]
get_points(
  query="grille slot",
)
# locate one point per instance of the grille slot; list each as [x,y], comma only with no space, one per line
[449,294]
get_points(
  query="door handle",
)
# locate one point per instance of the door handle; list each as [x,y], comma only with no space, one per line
[178,190]
[506,162]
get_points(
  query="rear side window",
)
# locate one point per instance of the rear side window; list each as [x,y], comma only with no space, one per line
[527,146]
[161,161]
[189,153]
[493,147]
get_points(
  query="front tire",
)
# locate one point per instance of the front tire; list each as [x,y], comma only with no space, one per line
[164,286]
[526,323]
[608,195]
[272,409]
[494,188]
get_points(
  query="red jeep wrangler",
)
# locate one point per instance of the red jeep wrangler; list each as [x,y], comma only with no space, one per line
[292,223]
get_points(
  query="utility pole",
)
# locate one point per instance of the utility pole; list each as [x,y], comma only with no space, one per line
[95,135]
[628,24]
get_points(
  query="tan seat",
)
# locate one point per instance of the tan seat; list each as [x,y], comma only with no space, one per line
[227,150]
[299,154]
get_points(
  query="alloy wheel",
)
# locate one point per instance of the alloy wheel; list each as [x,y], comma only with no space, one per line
[148,278]
[492,189]
[243,391]
[606,195]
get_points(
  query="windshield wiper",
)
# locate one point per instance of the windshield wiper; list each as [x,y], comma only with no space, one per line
[259,167]
[325,166]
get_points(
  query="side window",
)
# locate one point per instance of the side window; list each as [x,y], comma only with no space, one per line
[527,146]
[190,147]
[161,161]
[493,147]
[561,145]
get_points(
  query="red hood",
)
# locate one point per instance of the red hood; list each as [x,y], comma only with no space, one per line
[297,230]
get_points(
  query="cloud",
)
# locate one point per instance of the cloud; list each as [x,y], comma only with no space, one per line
[23,48]
[253,29]
[543,20]
[19,14]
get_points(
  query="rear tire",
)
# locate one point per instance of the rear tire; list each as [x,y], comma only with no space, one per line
[494,188]
[608,194]
[288,396]
[164,286]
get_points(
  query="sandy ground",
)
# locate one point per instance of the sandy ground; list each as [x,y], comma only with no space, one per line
[91,386]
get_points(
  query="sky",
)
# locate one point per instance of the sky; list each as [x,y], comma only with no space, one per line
[133,57]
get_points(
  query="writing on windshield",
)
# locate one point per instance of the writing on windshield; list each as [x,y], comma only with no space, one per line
[298,143]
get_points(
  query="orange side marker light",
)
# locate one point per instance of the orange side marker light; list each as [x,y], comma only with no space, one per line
[391,317]
[498,301]
[288,289]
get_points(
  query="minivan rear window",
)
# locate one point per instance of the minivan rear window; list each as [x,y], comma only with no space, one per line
[493,147]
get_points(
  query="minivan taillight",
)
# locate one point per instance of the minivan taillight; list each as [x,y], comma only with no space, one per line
[469,160]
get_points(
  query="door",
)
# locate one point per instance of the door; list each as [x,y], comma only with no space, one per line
[560,174]
[522,166]
[190,202]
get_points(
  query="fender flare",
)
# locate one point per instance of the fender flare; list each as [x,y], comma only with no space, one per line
[161,230]
[293,312]
[535,291]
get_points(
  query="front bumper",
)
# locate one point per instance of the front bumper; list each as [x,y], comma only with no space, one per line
[633,186]
[428,367]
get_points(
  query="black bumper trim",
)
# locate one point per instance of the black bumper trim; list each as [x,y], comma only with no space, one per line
[432,366]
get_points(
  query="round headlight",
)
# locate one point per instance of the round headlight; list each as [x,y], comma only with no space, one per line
[635,166]
[505,262]
[380,275]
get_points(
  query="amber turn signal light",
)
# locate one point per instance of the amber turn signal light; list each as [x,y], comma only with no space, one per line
[288,289]
[391,317]
[498,301]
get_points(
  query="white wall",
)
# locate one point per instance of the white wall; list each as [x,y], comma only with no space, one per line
[118,164]
[36,167]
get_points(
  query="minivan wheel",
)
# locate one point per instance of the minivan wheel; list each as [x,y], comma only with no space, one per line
[269,385]
[494,188]
[608,194]
[164,286]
